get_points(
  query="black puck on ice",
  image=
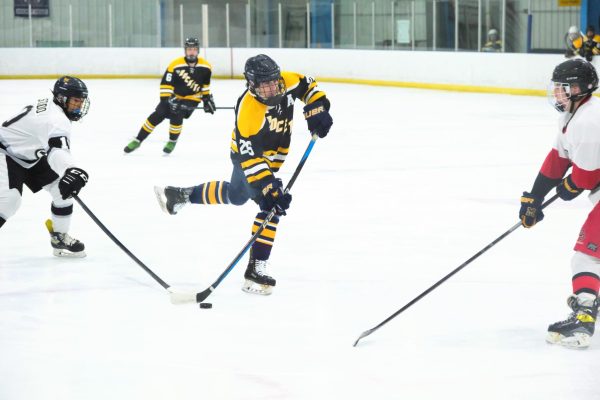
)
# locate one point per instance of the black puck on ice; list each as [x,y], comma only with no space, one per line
[205,305]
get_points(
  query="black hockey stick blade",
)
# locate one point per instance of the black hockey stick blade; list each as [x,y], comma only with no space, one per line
[445,278]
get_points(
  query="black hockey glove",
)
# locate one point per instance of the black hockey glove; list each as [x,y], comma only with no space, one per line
[72,182]
[209,104]
[273,196]
[567,190]
[531,210]
[318,119]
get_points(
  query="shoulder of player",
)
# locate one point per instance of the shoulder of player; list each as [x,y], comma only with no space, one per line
[291,79]
[250,115]
[584,126]
[176,63]
[59,124]
[202,63]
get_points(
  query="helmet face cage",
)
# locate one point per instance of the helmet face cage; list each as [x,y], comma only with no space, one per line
[560,95]
[268,92]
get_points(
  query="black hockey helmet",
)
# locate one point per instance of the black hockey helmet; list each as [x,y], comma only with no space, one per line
[193,43]
[67,87]
[260,69]
[572,72]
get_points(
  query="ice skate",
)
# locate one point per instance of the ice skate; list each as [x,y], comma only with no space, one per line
[131,146]
[257,280]
[169,147]
[577,330]
[171,199]
[63,244]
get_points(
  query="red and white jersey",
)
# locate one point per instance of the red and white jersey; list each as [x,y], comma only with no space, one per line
[577,144]
[40,129]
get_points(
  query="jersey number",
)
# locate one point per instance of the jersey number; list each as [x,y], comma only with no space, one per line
[246,147]
[18,117]
[168,77]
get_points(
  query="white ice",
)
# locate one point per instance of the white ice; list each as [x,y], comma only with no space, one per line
[407,186]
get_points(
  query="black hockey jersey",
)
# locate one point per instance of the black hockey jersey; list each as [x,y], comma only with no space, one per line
[261,137]
[189,83]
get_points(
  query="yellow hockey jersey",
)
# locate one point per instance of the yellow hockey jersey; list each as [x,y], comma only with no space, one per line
[261,138]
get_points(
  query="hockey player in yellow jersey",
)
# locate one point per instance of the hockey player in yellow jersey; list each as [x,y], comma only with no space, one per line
[259,145]
[185,83]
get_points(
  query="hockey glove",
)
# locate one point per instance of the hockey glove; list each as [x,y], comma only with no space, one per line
[567,190]
[318,119]
[273,196]
[209,104]
[531,210]
[72,182]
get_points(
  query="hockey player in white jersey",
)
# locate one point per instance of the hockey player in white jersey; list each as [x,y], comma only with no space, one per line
[35,151]
[577,146]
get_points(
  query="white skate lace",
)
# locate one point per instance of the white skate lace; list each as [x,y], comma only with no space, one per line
[66,239]
[260,267]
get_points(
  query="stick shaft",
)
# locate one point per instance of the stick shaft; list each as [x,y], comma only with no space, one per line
[449,275]
[118,243]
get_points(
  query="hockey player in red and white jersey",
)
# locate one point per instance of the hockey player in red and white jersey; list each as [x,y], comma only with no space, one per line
[577,147]
[35,151]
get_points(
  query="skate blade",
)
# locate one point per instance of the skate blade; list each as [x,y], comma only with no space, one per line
[577,341]
[68,254]
[162,199]
[256,288]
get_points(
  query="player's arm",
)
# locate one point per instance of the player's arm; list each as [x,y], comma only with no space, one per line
[166,84]
[585,174]
[316,111]
[553,169]
[59,151]
[208,103]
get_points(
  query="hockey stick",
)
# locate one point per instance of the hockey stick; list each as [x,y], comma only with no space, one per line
[175,297]
[201,296]
[445,278]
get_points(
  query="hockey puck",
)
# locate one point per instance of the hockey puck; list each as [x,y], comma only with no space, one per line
[205,305]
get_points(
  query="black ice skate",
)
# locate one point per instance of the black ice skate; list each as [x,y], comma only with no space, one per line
[172,199]
[257,280]
[63,244]
[577,330]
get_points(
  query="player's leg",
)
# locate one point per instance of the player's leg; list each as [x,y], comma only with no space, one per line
[160,113]
[176,123]
[258,280]
[175,127]
[172,198]
[63,245]
[578,328]
[11,187]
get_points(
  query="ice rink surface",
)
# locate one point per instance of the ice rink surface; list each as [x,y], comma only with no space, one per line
[407,186]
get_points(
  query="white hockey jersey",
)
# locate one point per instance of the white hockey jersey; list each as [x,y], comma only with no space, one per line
[40,129]
[577,144]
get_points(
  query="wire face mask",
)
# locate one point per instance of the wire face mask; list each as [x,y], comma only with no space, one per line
[559,95]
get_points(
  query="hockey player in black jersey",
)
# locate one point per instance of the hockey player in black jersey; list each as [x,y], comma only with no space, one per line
[185,83]
[35,152]
[260,142]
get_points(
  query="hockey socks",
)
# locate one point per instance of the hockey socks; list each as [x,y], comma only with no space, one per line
[261,249]
[215,192]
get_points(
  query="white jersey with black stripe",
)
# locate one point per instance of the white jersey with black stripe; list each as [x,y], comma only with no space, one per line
[25,136]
